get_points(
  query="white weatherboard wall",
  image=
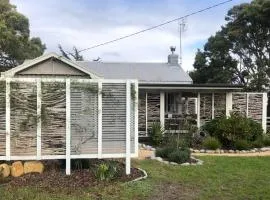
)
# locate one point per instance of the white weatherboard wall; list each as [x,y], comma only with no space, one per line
[73,119]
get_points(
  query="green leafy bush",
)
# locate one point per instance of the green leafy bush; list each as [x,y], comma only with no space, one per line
[106,171]
[266,140]
[179,155]
[211,143]
[234,128]
[258,143]
[242,145]
[164,151]
[197,140]
[156,133]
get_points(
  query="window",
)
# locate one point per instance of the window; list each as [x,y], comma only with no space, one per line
[171,105]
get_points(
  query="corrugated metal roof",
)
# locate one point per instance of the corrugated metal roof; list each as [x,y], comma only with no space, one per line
[144,72]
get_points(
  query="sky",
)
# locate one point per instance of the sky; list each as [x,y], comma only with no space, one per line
[85,23]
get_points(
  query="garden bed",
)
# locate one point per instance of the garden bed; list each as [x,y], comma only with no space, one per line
[79,178]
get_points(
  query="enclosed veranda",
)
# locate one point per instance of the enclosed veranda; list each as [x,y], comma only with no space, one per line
[173,104]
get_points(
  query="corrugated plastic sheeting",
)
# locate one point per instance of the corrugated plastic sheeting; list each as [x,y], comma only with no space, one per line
[113,118]
[84,118]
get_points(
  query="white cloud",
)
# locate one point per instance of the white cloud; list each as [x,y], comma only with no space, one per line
[87,23]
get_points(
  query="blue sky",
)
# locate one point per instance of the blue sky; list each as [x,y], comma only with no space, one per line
[84,23]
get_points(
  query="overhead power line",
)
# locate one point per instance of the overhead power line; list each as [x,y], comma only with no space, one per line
[154,27]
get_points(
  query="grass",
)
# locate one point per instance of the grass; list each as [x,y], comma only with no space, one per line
[219,178]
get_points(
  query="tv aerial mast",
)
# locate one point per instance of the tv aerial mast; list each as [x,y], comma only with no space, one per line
[182,28]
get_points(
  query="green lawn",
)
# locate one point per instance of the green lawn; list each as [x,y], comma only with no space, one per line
[219,178]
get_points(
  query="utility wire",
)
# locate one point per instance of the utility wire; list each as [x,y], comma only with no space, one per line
[154,27]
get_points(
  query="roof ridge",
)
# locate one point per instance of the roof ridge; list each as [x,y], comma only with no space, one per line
[120,62]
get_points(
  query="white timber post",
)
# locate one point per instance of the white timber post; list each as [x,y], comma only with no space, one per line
[162,109]
[198,110]
[68,160]
[146,113]
[264,112]
[228,103]
[196,105]
[39,119]
[247,96]
[7,119]
[213,105]
[99,119]
[128,127]
[136,121]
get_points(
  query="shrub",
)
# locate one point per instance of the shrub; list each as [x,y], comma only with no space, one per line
[266,140]
[106,171]
[198,138]
[179,155]
[177,141]
[242,145]
[234,128]
[211,143]
[164,152]
[156,133]
[258,143]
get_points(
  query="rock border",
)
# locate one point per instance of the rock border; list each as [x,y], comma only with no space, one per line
[198,161]
[145,176]
[153,157]
[230,151]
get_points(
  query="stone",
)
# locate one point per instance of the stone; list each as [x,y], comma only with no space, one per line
[210,151]
[4,170]
[196,151]
[148,147]
[153,149]
[191,150]
[159,159]
[16,169]
[217,151]
[202,151]
[237,151]
[243,151]
[199,162]
[152,157]
[165,162]
[231,151]
[253,151]
[221,151]
[265,149]
[173,163]
[185,164]
[33,166]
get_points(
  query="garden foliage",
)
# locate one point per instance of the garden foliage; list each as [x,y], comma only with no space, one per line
[156,133]
[229,131]
[211,143]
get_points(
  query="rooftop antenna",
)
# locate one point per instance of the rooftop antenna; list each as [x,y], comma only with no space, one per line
[182,28]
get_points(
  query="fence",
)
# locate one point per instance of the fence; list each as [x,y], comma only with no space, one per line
[68,119]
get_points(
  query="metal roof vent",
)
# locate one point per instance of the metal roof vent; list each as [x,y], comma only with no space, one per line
[173,58]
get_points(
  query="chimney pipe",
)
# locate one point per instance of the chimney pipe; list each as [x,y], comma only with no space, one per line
[173,58]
